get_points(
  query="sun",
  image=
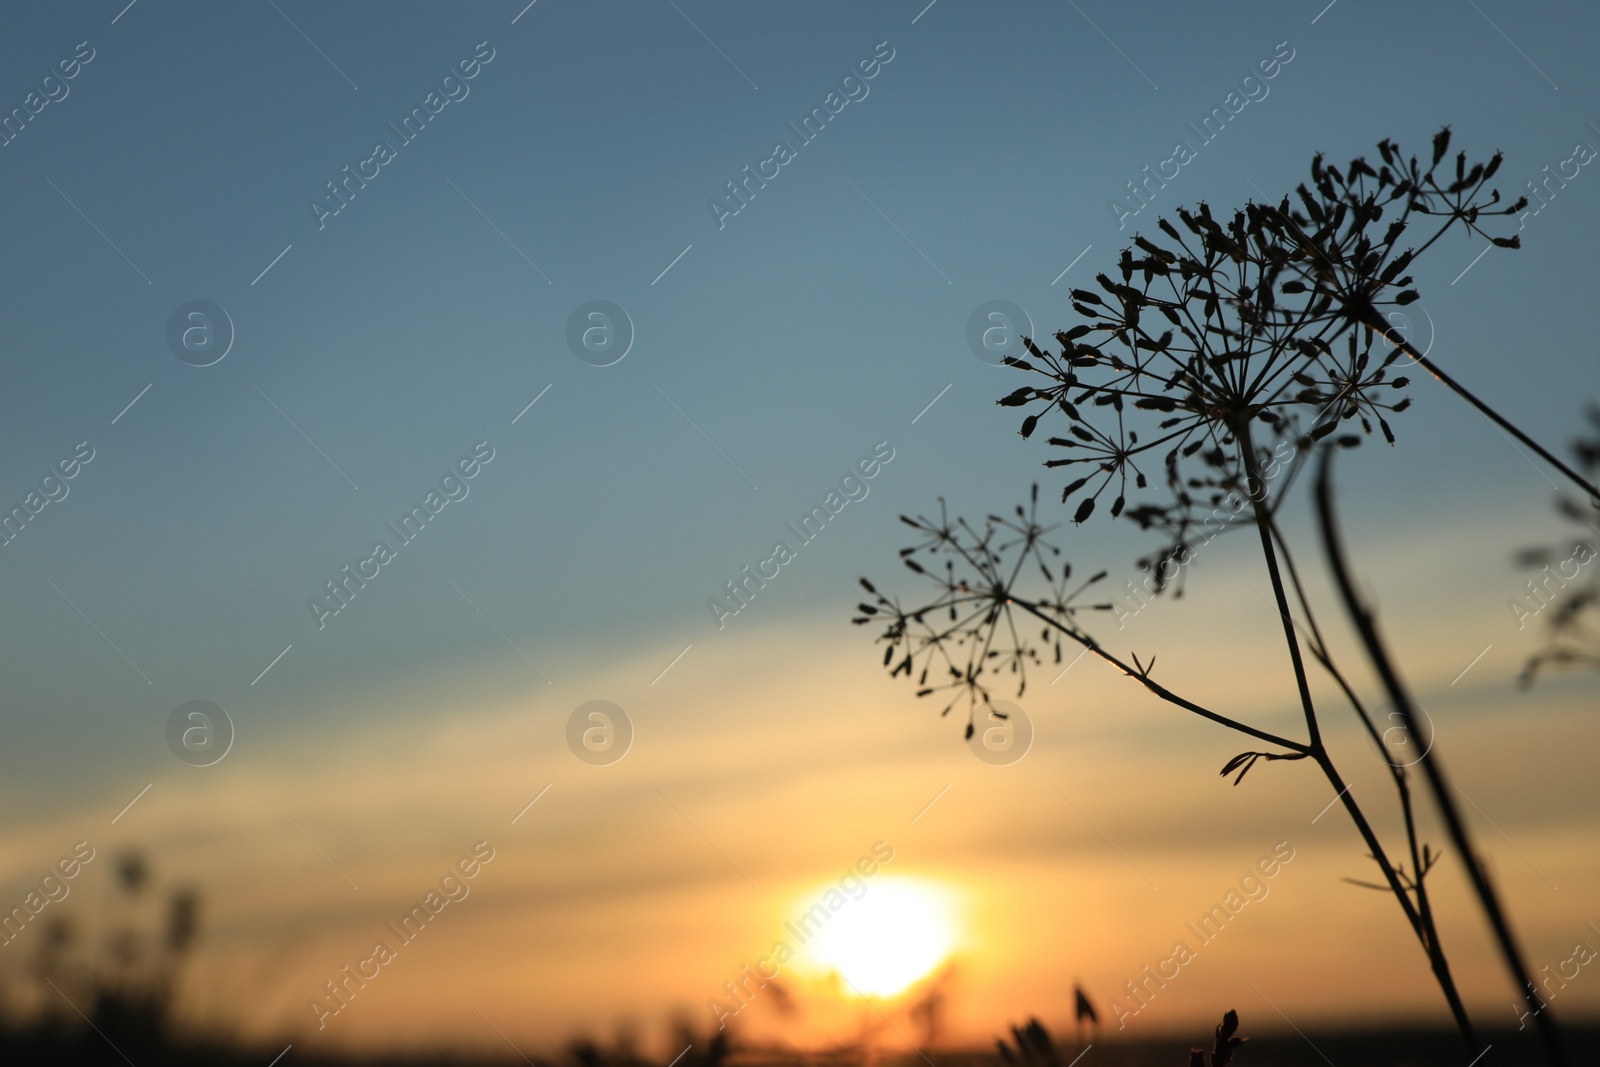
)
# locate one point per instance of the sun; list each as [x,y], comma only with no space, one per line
[895,933]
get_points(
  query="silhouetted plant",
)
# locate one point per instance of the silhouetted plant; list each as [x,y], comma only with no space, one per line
[1225,1043]
[125,982]
[1573,622]
[710,1049]
[1272,336]
[1366,626]
[132,872]
[1034,1047]
[928,1010]
[585,1053]
[979,625]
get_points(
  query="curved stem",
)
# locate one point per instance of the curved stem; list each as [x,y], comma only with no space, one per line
[1155,687]
[1366,626]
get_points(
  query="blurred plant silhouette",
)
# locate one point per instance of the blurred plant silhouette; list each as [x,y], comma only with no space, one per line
[1573,622]
[1273,337]
[1032,1046]
[123,984]
[928,1014]
[701,1050]
[1225,1043]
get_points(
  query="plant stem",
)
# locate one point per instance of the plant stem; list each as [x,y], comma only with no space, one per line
[1253,479]
[1374,322]
[1155,687]
[1256,490]
[1423,929]
[1441,966]
[1426,929]
[1367,627]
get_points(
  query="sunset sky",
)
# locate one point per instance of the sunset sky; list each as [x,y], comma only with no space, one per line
[826,319]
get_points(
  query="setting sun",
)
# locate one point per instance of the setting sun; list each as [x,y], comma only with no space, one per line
[895,934]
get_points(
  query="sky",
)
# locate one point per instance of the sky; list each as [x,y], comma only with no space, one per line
[428,323]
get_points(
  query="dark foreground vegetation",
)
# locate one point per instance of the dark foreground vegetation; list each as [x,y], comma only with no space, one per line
[81,1046]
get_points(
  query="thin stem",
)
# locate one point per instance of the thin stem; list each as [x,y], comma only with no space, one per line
[1374,322]
[1422,927]
[1368,835]
[1426,930]
[1155,687]
[1419,926]
[1318,646]
[1265,526]
[1253,479]
[1367,627]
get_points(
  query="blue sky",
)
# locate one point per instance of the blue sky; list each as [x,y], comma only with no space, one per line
[817,322]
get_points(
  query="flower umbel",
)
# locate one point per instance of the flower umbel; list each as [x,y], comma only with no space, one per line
[1211,348]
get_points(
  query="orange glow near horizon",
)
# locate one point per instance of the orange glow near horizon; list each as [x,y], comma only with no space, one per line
[997,902]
